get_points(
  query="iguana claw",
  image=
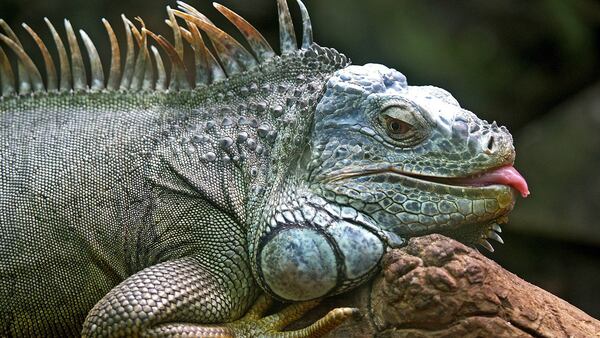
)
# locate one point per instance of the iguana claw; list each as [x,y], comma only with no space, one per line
[253,324]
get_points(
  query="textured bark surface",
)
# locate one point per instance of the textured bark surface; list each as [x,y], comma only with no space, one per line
[438,287]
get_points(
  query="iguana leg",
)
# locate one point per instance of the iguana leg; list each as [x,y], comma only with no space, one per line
[253,324]
[183,297]
[183,291]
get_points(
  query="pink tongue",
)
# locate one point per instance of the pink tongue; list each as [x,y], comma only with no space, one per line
[505,175]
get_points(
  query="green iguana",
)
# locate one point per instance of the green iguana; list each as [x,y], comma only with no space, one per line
[159,203]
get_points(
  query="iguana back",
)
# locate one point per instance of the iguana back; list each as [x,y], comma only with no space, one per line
[74,198]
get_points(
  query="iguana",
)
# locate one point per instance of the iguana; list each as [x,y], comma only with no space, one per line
[155,203]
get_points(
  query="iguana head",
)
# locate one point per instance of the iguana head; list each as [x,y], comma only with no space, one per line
[411,158]
[384,162]
[365,163]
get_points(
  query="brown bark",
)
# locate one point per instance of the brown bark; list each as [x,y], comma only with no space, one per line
[438,287]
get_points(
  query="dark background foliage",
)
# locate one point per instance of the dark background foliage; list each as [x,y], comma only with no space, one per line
[531,65]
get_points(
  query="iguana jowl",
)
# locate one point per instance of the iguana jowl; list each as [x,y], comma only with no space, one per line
[138,205]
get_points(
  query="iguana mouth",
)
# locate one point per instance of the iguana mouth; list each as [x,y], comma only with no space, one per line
[504,175]
[475,231]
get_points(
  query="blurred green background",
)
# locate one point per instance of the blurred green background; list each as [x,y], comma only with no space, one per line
[531,65]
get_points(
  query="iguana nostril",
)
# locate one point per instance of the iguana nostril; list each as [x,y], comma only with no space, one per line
[490,145]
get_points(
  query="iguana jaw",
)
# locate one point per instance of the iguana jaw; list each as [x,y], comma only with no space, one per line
[498,185]
[504,175]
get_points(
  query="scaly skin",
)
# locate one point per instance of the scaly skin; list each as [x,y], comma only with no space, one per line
[167,212]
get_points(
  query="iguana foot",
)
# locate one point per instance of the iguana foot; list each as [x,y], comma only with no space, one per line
[253,324]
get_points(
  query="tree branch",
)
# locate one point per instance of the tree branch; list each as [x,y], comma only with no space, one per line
[438,287]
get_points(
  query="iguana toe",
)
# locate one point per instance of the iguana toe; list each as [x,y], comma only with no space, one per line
[253,324]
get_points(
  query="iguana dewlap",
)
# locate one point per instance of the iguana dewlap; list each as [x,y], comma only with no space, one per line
[143,202]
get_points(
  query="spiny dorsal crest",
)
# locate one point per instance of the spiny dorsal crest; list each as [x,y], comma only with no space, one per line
[143,68]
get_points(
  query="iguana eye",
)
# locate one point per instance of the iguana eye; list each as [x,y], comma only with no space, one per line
[398,121]
[397,128]
[402,124]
